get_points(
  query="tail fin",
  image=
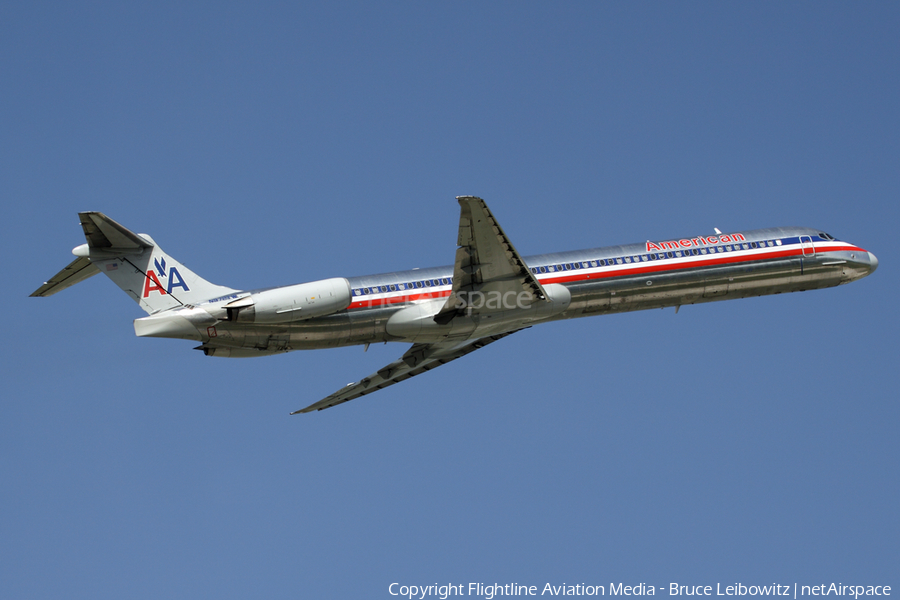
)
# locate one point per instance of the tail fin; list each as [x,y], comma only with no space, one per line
[135,263]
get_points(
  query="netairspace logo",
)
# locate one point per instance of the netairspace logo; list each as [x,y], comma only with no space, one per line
[489,591]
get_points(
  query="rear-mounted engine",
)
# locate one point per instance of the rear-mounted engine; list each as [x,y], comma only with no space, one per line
[292,303]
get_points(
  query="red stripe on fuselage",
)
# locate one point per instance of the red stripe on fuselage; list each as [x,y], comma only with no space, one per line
[703,260]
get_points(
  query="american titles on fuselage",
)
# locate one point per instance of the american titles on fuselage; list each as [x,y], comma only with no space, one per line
[490,291]
[589,267]
[697,241]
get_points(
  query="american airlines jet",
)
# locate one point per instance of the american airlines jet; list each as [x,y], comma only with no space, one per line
[488,293]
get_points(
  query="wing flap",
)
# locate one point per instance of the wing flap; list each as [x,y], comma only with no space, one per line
[419,359]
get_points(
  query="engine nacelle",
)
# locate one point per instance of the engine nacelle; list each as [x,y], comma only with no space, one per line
[292,303]
[416,322]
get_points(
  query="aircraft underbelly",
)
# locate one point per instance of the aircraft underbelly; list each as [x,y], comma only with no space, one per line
[707,285]
[414,323]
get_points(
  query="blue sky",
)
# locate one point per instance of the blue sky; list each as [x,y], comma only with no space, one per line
[751,441]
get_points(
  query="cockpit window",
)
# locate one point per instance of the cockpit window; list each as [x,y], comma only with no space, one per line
[826,236]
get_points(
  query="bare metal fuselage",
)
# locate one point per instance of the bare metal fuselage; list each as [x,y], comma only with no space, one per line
[600,281]
[489,292]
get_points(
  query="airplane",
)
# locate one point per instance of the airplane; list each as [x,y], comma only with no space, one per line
[489,293]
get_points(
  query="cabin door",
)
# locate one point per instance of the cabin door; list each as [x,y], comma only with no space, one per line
[806,246]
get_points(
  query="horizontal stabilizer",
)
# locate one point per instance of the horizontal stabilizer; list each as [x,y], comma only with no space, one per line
[103,232]
[135,263]
[77,271]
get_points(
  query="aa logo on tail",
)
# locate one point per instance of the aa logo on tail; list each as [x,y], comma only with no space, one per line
[152,282]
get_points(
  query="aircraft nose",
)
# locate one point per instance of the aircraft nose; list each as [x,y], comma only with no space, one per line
[873,262]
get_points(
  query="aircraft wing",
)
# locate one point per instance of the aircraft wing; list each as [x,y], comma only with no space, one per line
[486,262]
[417,360]
[78,270]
